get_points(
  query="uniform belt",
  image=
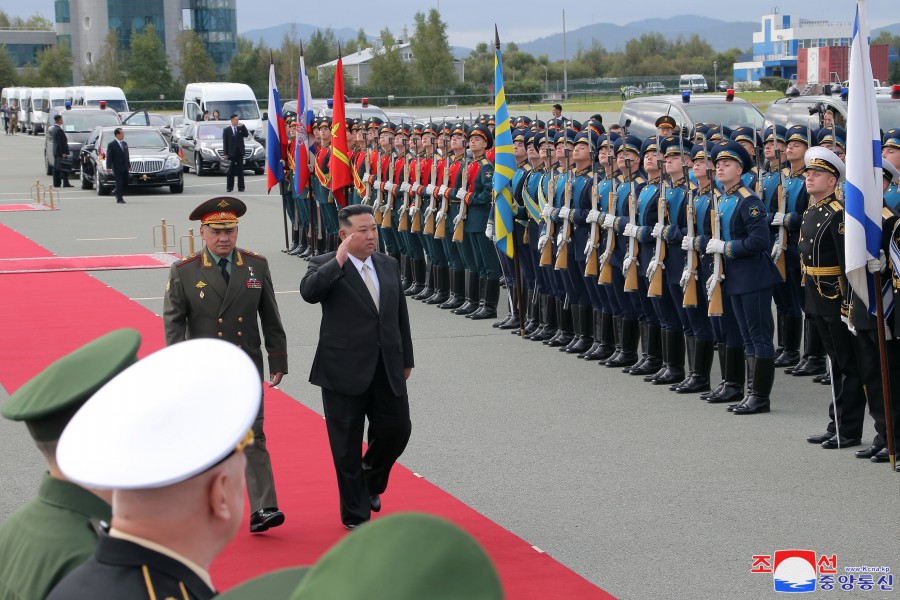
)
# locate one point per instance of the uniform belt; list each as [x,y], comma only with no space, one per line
[822,271]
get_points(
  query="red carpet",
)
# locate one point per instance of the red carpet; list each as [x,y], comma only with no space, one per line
[33,336]
[51,264]
[18,207]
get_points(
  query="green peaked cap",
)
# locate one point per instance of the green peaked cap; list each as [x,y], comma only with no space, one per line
[48,400]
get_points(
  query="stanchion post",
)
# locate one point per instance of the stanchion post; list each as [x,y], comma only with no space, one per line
[190,238]
[164,235]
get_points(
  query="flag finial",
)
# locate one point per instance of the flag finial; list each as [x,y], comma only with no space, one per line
[301,47]
[496,37]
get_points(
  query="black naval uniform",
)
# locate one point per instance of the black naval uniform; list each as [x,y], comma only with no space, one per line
[822,264]
[122,569]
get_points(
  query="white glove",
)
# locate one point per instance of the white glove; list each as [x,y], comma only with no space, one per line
[413,210]
[651,268]
[685,277]
[593,216]
[489,231]
[542,242]
[631,230]
[429,189]
[415,188]
[389,187]
[715,247]
[457,220]
[442,191]
[548,210]
[377,183]
[776,251]
[366,178]
[428,211]
[365,200]
[564,212]
[440,216]
[687,243]
[604,258]
[876,265]
[588,248]
[626,266]
[560,239]
[404,187]
[608,221]
[657,230]
[461,194]
[710,285]
[778,219]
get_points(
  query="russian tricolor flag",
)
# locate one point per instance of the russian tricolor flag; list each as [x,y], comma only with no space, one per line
[302,170]
[276,139]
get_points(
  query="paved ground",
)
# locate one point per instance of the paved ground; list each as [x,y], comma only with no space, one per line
[637,489]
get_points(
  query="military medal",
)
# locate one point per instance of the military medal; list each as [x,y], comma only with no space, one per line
[253,283]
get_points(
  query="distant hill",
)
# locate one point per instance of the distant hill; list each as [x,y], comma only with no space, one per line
[892,29]
[721,35]
[272,36]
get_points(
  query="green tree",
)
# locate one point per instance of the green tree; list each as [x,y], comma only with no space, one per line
[30,77]
[54,65]
[37,21]
[321,48]
[148,69]
[433,66]
[110,66]
[8,74]
[287,60]
[390,73]
[250,65]
[360,43]
[194,61]
[893,41]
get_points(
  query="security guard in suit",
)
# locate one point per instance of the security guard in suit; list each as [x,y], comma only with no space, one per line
[224,292]
[57,531]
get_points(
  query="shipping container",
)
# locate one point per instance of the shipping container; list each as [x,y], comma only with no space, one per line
[832,63]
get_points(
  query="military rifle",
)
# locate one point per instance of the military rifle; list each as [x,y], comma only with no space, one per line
[714,294]
[547,253]
[605,276]
[403,225]
[441,228]
[562,251]
[690,262]
[379,193]
[432,180]
[655,274]
[631,254]
[368,167]
[590,268]
[460,227]
[388,207]
[781,241]
[417,221]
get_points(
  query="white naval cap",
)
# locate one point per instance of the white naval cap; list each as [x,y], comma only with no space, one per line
[823,159]
[165,419]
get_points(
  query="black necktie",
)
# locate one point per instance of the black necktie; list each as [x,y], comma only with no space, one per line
[223,265]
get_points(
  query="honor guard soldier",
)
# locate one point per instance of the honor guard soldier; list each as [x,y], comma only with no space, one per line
[421,214]
[295,207]
[533,196]
[751,274]
[170,446]
[224,292]
[825,285]
[749,139]
[44,540]
[890,151]
[834,139]
[322,185]
[463,281]
[356,139]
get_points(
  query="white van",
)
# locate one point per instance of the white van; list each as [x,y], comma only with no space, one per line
[24,109]
[38,114]
[93,95]
[227,98]
[693,83]
[55,96]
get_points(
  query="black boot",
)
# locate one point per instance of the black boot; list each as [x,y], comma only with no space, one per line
[804,326]
[607,340]
[566,332]
[654,352]
[643,327]
[790,355]
[441,286]
[457,291]
[674,341]
[472,295]
[482,285]
[428,284]
[295,243]
[584,330]
[691,343]
[749,361]
[664,353]
[418,271]
[617,339]
[720,350]
[512,315]
[815,357]
[491,298]
[576,327]
[405,272]
[595,319]
[532,319]
[763,378]
[779,334]
[702,365]
[549,324]
[629,336]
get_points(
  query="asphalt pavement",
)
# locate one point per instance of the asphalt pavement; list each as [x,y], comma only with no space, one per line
[644,492]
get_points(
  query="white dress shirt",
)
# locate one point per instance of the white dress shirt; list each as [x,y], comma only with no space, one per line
[359,267]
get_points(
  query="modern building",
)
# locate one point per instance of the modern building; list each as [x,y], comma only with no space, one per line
[777,44]
[86,23]
[23,45]
[358,65]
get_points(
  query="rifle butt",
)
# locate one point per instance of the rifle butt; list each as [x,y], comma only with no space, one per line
[782,266]
[417,226]
[590,267]
[715,302]
[690,293]
[562,257]
[404,223]
[655,288]
[458,231]
[429,225]
[631,280]
[605,277]
[388,221]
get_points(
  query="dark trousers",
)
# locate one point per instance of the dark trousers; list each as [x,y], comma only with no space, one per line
[360,477]
[865,346]
[59,175]
[846,383]
[235,168]
[753,313]
[121,184]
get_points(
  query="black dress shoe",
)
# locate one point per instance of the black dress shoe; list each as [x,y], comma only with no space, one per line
[351,525]
[265,518]
[68,185]
[881,456]
[818,439]
[375,503]
[871,452]
[228,191]
[836,442]
[120,202]
[240,189]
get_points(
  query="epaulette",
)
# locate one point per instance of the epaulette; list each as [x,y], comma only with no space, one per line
[886,213]
[485,161]
[188,259]
[786,171]
[639,179]
[745,193]
[253,254]
[836,206]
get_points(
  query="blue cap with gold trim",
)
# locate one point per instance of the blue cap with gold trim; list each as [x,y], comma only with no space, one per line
[835,136]
[731,150]
[798,133]
[891,138]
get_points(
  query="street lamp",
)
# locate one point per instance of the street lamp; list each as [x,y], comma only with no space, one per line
[546,77]
[716,74]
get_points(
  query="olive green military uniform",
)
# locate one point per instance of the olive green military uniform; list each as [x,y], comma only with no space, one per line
[199,304]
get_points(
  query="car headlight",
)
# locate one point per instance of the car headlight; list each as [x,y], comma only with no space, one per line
[173,162]
[206,151]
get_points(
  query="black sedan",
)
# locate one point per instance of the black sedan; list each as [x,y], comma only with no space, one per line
[153,163]
[201,149]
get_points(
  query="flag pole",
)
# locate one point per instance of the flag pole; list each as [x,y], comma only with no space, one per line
[287,243]
[885,376]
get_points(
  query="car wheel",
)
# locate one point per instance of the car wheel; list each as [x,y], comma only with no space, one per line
[185,168]
[198,165]
[177,188]
[85,184]
[259,171]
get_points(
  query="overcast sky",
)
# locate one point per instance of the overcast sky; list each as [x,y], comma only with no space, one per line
[471,21]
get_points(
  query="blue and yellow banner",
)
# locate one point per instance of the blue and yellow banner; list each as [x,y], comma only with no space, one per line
[504,165]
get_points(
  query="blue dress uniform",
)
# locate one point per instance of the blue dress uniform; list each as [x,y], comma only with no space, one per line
[892,195]
[750,277]
[822,259]
[534,200]
[628,149]
[726,332]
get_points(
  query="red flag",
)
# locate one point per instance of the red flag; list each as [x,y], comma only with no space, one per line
[340,150]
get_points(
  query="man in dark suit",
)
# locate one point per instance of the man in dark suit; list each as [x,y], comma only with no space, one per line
[118,159]
[233,146]
[363,360]
[60,153]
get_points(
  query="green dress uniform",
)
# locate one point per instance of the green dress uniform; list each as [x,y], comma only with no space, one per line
[46,539]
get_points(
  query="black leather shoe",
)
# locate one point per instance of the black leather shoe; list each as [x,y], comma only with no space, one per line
[881,456]
[375,503]
[818,439]
[352,525]
[836,442]
[814,365]
[754,405]
[68,185]
[871,452]
[826,379]
[265,518]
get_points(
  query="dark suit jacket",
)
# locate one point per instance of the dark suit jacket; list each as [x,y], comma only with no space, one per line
[353,333]
[233,145]
[199,304]
[117,158]
[115,572]
[60,142]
